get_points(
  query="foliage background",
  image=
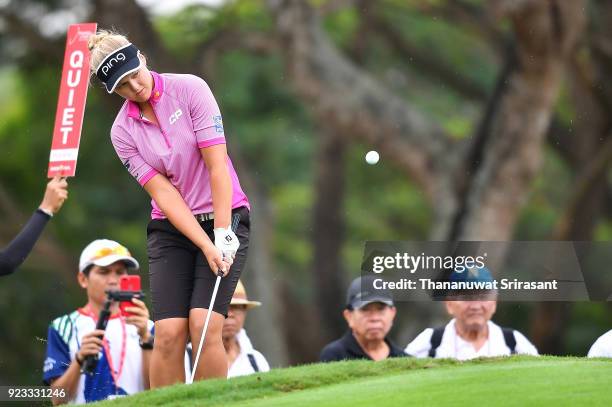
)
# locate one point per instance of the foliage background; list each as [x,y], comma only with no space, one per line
[276,139]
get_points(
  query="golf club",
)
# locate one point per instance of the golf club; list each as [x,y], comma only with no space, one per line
[235,220]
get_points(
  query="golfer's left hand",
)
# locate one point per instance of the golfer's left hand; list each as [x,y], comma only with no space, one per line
[140,318]
[227,243]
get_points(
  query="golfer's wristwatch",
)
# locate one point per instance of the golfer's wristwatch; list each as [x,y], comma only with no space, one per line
[148,345]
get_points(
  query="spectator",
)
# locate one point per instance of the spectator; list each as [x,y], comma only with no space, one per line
[369,315]
[127,342]
[471,333]
[243,358]
[602,348]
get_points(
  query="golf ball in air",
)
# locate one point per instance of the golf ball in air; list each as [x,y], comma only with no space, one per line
[372,157]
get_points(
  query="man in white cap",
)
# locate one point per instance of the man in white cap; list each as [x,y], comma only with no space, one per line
[124,347]
[243,358]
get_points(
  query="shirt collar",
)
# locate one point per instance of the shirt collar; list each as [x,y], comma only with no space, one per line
[352,346]
[485,349]
[245,343]
[85,311]
[156,94]
[355,349]
[158,87]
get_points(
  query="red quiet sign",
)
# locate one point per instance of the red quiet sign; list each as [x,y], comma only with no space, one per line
[71,102]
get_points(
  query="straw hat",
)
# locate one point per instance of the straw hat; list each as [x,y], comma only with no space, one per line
[240,297]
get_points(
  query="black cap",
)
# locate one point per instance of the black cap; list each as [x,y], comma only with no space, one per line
[117,65]
[361,292]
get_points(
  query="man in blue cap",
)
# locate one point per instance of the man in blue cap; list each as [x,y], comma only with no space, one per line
[369,314]
[471,333]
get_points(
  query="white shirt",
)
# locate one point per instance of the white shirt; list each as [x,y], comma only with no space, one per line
[453,346]
[602,348]
[242,365]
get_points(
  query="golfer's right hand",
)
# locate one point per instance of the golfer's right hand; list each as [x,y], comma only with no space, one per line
[217,264]
[91,344]
[55,195]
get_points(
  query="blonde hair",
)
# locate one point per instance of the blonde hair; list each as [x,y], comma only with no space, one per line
[101,44]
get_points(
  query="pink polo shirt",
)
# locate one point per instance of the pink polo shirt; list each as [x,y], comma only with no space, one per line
[189,119]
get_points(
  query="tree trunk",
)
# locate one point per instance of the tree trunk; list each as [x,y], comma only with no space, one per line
[260,278]
[477,190]
[546,34]
[589,157]
[328,235]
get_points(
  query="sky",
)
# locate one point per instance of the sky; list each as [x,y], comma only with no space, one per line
[55,23]
[170,6]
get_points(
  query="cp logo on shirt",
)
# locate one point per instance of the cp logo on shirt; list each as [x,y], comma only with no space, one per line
[175,116]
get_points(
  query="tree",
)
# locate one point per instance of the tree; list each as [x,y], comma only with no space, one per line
[478,186]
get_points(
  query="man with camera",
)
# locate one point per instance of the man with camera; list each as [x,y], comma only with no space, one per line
[92,364]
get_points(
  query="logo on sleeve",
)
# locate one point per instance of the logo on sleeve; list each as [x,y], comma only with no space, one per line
[127,166]
[175,116]
[49,364]
[218,121]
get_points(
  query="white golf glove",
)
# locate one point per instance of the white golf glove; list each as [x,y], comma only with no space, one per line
[227,242]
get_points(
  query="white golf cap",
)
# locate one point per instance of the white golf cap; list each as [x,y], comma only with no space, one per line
[104,252]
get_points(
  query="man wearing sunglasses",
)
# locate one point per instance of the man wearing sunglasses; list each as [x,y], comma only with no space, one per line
[124,348]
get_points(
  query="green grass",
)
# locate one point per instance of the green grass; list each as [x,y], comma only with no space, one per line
[515,381]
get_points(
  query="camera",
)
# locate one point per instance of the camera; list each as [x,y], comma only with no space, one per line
[122,296]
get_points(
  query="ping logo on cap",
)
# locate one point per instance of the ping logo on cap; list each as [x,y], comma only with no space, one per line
[117,65]
[108,65]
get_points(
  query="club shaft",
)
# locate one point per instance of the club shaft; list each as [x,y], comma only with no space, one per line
[208,314]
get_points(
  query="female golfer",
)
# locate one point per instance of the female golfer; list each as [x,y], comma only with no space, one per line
[169,135]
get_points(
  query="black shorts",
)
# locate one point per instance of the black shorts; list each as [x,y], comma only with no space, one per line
[180,277]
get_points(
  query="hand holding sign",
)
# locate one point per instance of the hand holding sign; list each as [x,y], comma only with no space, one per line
[55,195]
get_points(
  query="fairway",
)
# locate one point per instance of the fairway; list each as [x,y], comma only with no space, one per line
[515,381]
[510,384]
